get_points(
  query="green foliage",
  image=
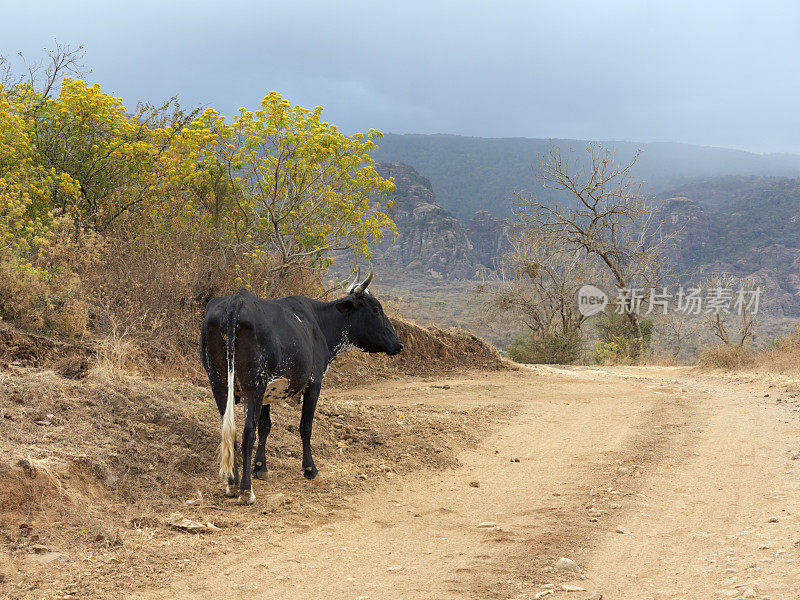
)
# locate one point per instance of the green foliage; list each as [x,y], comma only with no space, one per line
[551,348]
[616,341]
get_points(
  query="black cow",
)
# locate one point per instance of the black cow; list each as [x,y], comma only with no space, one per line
[281,348]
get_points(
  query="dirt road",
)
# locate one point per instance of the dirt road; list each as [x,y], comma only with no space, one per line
[658,482]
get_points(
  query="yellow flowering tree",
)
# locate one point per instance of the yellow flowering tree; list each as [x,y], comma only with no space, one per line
[120,161]
[26,186]
[297,190]
[274,191]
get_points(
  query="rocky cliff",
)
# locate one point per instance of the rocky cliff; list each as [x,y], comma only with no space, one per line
[430,240]
[489,236]
[752,232]
[702,247]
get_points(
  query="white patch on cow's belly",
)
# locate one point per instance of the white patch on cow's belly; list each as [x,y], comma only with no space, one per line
[277,390]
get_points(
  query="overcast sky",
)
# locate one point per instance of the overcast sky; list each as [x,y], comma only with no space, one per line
[721,73]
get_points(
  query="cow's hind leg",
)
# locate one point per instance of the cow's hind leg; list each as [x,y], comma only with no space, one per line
[264,427]
[310,397]
[213,357]
[253,398]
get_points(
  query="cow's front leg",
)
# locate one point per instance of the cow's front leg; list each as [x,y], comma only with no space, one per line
[264,426]
[310,397]
[252,415]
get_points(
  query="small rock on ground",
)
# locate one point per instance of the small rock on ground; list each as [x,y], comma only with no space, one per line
[567,564]
[274,502]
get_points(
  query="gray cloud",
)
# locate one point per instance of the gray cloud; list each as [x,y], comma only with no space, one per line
[716,72]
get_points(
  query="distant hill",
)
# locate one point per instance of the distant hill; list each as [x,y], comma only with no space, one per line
[473,174]
[746,226]
[746,213]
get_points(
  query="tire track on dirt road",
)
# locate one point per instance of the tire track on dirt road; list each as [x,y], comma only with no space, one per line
[581,437]
[722,521]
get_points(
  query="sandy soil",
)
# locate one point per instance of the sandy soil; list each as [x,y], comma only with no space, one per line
[660,483]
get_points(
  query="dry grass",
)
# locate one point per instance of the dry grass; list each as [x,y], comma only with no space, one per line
[114,357]
[784,356]
[97,448]
[781,357]
[92,469]
[45,304]
[426,351]
[728,357]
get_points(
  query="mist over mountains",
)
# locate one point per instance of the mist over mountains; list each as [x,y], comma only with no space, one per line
[737,212]
[471,174]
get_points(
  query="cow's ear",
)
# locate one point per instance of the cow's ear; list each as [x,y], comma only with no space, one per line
[346,305]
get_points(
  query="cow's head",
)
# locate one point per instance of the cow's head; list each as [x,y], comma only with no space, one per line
[368,326]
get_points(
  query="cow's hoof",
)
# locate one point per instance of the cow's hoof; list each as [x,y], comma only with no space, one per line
[230,491]
[310,472]
[247,497]
[262,474]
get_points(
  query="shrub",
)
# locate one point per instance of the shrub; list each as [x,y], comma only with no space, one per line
[726,356]
[43,301]
[617,343]
[552,348]
[124,223]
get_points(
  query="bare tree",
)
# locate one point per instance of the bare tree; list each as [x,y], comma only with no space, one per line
[676,330]
[538,283]
[58,62]
[721,321]
[609,218]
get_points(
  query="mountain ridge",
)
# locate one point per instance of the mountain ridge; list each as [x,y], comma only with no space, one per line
[471,173]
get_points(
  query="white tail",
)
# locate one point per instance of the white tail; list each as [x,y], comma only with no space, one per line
[228,442]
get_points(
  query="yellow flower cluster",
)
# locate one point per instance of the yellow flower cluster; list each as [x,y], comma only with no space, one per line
[276,181]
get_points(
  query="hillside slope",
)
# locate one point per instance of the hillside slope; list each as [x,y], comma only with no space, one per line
[471,174]
[746,226]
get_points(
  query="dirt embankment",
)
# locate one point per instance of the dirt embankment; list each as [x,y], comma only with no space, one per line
[427,351]
[93,465]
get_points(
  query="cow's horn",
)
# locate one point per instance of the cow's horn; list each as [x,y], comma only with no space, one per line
[353,285]
[362,287]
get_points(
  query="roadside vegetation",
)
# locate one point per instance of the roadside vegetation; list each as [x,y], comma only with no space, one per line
[120,222]
[608,233]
